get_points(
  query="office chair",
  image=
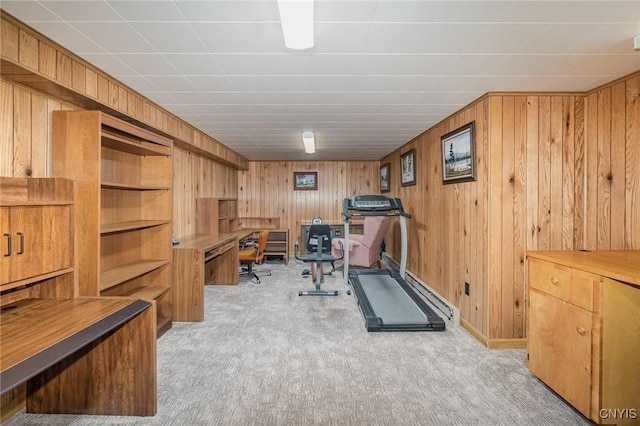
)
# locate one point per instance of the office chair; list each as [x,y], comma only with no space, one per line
[319,252]
[254,254]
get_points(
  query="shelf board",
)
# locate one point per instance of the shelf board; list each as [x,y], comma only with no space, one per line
[110,228]
[130,187]
[123,273]
[34,279]
[30,203]
[121,143]
[151,292]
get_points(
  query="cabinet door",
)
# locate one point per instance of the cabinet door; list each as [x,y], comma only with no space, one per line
[5,257]
[559,348]
[41,240]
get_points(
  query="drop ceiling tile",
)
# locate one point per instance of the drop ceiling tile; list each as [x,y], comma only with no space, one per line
[148,64]
[170,37]
[29,11]
[194,64]
[425,64]
[109,64]
[351,11]
[470,11]
[172,83]
[114,37]
[236,37]
[85,11]
[214,83]
[147,11]
[213,11]
[189,98]
[535,11]
[558,38]
[338,37]
[67,36]
[506,38]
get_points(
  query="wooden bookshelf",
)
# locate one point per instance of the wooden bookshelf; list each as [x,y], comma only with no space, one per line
[124,200]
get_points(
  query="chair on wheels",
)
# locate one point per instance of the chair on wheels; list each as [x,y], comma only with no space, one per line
[254,253]
[319,252]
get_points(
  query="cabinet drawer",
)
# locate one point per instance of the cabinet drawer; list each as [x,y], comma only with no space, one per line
[568,284]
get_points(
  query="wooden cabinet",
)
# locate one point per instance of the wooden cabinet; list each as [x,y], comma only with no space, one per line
[278,244]
[216,215]
[124,201]
[584,330]
[36,222]
[36,255]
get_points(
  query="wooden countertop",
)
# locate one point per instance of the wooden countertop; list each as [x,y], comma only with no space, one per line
[205,241]
[620,265]
[37,333]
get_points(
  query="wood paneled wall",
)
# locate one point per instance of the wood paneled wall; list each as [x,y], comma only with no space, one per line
[196,176]
[612,193]
[25,130]
[554,172]
[266,189]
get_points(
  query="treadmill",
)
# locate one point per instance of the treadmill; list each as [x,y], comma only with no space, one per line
[386,300]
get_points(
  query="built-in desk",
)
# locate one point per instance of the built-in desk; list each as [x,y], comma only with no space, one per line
[81,356]
[202,259]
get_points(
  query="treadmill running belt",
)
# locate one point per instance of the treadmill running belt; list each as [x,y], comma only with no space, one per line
[390,302]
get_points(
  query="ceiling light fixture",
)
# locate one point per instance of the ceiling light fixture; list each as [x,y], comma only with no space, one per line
[636,42]
[296,17]
[309,142]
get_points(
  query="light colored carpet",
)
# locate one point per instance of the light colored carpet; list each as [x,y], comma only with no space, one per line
[265,356]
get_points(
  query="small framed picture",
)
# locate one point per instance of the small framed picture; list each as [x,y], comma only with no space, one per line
[458,155]
[385,176]
[305,181]
[408,168]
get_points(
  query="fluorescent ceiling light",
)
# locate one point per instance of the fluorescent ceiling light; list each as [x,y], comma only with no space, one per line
[296,17]
[309,142]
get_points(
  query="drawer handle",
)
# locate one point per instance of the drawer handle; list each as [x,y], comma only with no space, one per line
[581,331]
[8,253]
[554,280]
[21,235]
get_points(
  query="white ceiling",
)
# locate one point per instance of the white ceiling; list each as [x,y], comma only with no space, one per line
[381,72]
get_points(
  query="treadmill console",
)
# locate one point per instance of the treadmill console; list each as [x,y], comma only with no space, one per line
[371,202]
[373,205]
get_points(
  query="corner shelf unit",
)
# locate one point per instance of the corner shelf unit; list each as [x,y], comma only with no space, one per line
[124,200]
[216,215]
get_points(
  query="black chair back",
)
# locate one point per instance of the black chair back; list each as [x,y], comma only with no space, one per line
[319,234]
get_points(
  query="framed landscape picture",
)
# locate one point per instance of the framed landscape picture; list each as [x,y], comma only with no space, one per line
[408,168]
[385,176]
[458,155]
[305,181]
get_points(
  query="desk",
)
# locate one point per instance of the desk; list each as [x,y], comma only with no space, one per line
[81,356]
[202,259]
[583,336]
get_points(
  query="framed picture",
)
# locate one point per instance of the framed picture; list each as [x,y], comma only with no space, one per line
[408,168]
[385,176]
[458,155]
[305,181]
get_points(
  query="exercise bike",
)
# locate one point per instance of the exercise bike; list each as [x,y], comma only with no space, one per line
[319,252]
